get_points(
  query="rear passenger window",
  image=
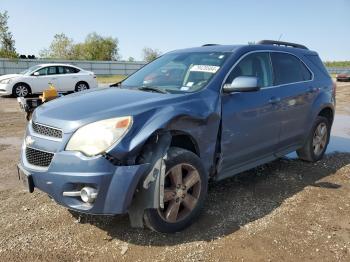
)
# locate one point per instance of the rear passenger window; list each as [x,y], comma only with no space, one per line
[288,69]
[255,64]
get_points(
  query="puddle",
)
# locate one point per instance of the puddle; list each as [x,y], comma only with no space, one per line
[340,136]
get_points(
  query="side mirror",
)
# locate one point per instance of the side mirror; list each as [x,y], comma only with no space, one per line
[243,84]
[36,74]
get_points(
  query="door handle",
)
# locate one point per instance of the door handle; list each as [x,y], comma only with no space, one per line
[274,100]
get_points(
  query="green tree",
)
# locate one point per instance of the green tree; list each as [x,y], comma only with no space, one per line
[97,47]
[150,54]
[131,59]
[61,47]
[7,43]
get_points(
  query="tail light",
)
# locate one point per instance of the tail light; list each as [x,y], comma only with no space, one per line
[334,89]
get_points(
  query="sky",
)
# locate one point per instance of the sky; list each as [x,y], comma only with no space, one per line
[321,25]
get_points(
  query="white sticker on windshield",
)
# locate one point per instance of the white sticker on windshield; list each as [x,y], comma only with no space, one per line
[205,68]
[189,84]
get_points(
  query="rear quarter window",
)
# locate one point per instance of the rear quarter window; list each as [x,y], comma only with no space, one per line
[289,69]
[316,61]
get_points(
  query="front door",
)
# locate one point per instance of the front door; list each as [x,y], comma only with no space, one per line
[46,76]
[250,122]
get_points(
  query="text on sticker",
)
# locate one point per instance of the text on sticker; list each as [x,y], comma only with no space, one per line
[205,68]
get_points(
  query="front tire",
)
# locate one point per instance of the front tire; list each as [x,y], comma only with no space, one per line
[185,189]
[317,142]
[21,90]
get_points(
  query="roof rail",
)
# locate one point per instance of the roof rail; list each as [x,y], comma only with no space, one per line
[280,43]
[209,44]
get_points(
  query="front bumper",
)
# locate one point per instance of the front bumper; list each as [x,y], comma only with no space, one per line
[5,89]
[70,171]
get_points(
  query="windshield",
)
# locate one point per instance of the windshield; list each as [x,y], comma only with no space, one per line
[177,72]
[30,69]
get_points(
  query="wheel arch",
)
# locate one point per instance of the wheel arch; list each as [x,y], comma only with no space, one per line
[328,113]
[184,140]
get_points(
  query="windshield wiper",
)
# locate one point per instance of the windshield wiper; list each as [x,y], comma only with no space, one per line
[151,88]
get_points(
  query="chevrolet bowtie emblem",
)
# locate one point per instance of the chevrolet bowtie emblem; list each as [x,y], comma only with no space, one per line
[29,141]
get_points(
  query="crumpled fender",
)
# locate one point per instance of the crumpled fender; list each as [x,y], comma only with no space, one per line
[198,116]
[150,191]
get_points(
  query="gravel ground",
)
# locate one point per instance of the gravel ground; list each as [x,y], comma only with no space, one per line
[287,210]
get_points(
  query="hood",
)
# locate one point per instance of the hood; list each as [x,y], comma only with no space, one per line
[75,110]
[9,76]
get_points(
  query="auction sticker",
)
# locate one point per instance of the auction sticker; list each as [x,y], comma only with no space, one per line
[205,68]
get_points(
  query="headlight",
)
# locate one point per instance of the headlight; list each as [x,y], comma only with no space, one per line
[99,136]
[5,81]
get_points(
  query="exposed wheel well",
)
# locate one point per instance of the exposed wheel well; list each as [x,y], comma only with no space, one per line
[327,113]
[184,141]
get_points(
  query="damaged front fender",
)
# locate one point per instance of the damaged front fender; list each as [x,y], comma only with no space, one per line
[150,191]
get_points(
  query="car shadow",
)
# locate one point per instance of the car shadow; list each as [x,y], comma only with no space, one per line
[13,97]
[234,202]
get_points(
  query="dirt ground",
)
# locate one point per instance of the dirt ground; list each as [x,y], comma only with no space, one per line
[287,210]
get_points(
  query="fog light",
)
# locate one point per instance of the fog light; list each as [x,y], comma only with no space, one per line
[88,194]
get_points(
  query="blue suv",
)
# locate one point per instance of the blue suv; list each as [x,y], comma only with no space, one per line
[148,146]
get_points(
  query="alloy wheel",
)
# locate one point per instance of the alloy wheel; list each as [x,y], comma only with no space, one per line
[320,139]
[182,189]
[21,91]
[81,87]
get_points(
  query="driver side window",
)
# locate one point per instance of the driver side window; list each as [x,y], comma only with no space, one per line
[255,64]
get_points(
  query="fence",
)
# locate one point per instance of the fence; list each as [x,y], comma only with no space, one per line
[337,70]
[10,66]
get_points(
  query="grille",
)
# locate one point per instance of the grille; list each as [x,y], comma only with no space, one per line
[47,131]
[38,158]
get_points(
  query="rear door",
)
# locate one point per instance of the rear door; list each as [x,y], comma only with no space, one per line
[250,123]
[68,78]
[293,84]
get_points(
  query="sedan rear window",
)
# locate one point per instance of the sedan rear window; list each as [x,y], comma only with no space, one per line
[67,70]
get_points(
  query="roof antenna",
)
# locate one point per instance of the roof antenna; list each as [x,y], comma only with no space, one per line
[280,37]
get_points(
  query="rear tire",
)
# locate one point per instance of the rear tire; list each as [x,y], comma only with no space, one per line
[21,90]
[317,142]
[81,86]
[185,190]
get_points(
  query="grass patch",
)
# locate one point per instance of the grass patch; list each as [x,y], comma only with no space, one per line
[337,63]
[110,79]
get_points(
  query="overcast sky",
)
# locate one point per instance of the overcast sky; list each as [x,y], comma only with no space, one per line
[322,25]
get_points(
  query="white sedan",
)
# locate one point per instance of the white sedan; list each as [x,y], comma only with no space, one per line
[65,78]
